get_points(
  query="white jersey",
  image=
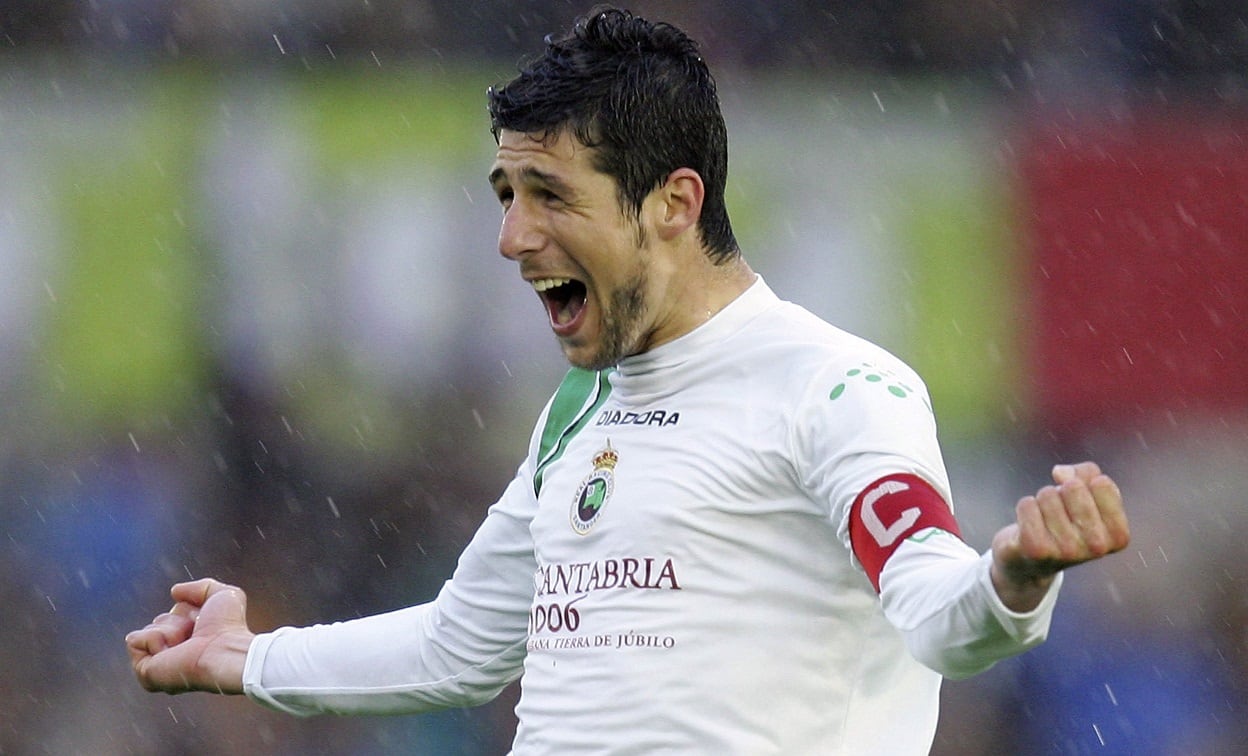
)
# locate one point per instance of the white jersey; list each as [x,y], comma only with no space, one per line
[671,569]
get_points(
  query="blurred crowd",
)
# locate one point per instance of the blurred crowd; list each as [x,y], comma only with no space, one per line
[1149,38]
[252,326]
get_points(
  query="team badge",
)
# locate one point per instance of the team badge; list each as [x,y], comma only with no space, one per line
[594,491]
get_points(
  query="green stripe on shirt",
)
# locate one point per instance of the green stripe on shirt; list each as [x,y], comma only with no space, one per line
[580,394]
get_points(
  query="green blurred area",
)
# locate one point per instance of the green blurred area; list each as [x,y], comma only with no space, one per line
[370,121]
[968,306]
[123,342]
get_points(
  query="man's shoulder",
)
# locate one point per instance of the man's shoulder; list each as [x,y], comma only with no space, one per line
[793,353]
[800,334]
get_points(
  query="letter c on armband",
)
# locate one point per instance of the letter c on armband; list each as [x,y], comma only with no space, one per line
[889,511]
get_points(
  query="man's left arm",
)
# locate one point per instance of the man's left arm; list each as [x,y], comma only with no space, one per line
[961,612]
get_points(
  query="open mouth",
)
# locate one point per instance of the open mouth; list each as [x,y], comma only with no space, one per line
[564,299]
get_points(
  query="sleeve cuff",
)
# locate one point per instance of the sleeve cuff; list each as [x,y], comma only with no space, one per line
[253,671]
[1028,627]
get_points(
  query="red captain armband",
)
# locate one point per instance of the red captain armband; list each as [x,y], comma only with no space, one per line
[887,512]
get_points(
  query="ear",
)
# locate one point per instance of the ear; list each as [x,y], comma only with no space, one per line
[678,203]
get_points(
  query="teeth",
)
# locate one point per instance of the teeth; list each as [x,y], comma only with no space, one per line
[543,284]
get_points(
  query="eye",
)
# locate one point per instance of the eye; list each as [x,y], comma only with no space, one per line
[547,196]
[504,198]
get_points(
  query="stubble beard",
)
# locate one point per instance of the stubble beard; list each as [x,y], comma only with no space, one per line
[620,328]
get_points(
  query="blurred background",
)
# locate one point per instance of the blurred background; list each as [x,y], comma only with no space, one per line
[253,324]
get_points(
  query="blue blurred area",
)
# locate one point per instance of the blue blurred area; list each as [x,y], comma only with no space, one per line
[253,325]
[99,534]
[1097,690]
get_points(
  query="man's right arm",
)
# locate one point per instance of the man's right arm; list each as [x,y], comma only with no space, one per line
[461,649]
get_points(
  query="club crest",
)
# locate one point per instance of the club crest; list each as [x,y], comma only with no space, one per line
[595,490]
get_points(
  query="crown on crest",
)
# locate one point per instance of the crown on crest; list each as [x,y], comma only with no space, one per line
[606,458]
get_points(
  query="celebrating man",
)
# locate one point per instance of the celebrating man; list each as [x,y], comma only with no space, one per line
[732,531]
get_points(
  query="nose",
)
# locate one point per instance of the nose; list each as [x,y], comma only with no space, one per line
[520,233]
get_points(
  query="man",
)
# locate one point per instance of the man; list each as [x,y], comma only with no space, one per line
[731,533]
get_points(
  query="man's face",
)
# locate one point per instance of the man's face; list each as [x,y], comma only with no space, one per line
[587,260]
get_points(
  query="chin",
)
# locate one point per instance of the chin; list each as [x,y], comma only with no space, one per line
[596,354]
[587,360]
[588,363]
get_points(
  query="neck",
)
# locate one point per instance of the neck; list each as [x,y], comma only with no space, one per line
[696,296]
[723,284]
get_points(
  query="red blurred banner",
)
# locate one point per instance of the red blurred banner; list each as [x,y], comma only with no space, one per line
[1138,235]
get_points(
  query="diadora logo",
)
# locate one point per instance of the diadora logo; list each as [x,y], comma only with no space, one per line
[595,490]
[659,418]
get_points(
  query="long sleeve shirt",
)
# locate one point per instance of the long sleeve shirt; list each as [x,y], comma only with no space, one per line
[671,570]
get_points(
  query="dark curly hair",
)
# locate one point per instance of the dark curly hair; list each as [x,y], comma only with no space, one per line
[640,94]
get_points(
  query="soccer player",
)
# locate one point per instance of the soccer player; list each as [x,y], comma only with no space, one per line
[732,531]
